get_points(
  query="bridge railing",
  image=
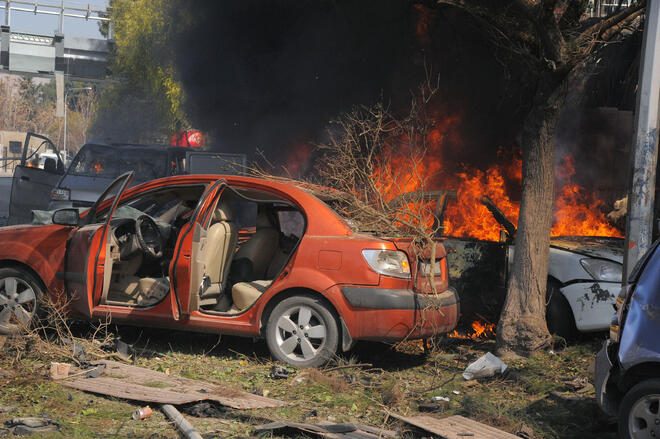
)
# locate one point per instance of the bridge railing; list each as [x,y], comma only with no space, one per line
[86,11]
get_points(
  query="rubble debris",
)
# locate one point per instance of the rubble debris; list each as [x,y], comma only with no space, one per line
[440,398]
[31,425]
[204,409]
[486,366]
[327,429]
[455,427]
[182,424]
[8,408]
[430,407]
[142,413]
[59,370]
[139,384]
[279,373]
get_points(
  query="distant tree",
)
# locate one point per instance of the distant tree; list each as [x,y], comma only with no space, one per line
[145,102]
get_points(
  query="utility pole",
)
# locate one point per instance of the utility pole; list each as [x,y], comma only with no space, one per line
[641,179]
[66,95]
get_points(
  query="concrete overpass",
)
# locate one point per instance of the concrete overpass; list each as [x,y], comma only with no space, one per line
[60,55]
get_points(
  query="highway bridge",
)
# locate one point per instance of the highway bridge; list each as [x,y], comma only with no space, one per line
[58,55]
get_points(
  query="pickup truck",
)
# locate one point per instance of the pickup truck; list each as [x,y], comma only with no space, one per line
[96,165]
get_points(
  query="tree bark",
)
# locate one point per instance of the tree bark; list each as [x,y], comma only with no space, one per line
[522,327]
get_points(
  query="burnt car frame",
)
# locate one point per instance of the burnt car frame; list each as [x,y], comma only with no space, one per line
[584,273]
[224,254]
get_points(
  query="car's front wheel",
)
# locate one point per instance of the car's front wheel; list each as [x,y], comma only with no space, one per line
[20,293]
[302,331]
[639,414]
[559,314]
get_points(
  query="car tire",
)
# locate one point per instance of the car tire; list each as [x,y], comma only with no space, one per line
[558,314]
[20,297]
[302,331]
[639,413]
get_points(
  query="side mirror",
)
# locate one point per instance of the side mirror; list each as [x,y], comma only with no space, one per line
[66,217]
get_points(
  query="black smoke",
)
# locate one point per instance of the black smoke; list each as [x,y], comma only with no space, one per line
[271,75]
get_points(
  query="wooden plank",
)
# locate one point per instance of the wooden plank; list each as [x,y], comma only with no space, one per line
[455,427]
[136,383]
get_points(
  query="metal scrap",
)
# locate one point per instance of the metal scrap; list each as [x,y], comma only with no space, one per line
[136,383]
[455,427]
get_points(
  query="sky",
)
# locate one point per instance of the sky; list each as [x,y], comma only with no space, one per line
[42,24]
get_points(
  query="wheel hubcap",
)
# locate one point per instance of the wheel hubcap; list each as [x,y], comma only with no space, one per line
[300,333]
[17,304]
[644,418]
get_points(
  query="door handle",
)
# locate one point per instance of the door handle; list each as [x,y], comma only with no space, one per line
[25,178]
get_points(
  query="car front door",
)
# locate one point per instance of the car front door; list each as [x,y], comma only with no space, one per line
[33,182]
[85,254]
[186,268]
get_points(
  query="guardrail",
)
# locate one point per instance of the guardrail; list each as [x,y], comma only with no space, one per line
[86,11]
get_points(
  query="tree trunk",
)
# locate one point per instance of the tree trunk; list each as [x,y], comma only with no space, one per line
[522,327]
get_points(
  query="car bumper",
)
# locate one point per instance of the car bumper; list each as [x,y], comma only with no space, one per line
[383,314]
[606,392]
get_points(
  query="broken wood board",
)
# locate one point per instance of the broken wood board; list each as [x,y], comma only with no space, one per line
[329,430]
[455,427]
[137,383]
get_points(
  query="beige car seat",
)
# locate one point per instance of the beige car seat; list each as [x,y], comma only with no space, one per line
[220,245]
[259,250]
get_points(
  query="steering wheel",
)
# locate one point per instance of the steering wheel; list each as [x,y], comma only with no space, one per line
[148,236]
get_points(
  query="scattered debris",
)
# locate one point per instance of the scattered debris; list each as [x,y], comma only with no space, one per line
[8,409]
[440,398]
[348,366]
[142,413]
[455,427]
[327,429]
[455,392]
[31,425]
[184,426]
[204,409]
[59,370]
[279,373]
[486,366]
[431,407]
[136,383]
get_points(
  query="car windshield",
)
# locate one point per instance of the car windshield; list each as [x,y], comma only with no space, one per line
[107,162]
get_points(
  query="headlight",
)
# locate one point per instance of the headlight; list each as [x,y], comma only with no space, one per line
[425,268]
[388,262]
[602,270]
[60,194]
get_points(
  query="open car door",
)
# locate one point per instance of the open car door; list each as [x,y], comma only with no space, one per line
[85,253]
[40,168]
[187,267]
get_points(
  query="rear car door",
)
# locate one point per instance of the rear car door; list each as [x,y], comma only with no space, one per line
[32,185]
[85,253]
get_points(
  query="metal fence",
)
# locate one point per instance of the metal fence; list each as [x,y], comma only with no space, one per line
[60,8]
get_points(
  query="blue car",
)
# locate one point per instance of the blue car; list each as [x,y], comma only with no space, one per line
[627,374]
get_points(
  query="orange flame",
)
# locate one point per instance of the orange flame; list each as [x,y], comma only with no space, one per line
[479,330]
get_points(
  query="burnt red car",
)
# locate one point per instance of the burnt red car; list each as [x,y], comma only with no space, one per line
[228,255]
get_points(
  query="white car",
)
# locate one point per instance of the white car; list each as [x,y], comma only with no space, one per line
[584,274]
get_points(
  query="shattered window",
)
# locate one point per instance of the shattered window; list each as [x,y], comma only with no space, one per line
[107,162]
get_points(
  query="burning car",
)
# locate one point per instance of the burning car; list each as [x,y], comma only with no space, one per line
[584,272]
[224,254]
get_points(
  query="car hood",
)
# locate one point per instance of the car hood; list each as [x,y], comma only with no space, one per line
[593,246]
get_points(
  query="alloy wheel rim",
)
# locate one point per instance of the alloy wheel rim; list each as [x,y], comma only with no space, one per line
[644,417]
[300,333]
[18,303]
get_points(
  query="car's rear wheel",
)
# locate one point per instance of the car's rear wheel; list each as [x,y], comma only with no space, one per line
[302,331]
[639,414]
[559,314]
[20,294]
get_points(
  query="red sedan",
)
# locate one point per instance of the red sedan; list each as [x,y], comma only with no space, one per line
[228,255]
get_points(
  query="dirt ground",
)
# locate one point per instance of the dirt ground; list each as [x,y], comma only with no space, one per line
[547,396]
